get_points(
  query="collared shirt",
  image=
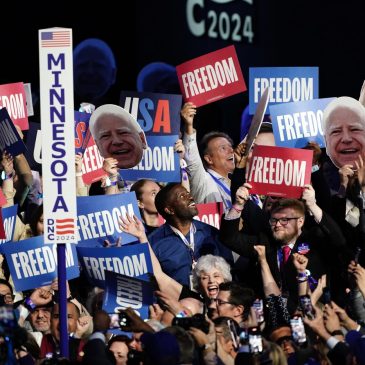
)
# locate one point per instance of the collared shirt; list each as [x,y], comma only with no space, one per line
[175,256]
[204,188]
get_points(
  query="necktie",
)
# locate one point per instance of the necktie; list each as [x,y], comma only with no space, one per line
[286,253]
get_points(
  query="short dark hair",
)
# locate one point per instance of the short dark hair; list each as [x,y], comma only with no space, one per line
[266,127]
[5,282]
[34,218]
[239,295]
[119,338]
[203,145]
[163,198]
[288,203]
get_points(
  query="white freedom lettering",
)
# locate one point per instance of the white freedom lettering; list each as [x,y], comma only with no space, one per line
[283,89]
[106,222]
[209,77]
[158,159]
[271,170]
[300,125]
[134,265]
[39,261]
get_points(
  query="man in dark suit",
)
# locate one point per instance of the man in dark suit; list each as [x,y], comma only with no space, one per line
[320,243]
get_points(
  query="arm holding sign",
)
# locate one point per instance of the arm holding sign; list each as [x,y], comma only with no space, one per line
[135,227]
[242,196]
[309,199]
[110,166]
[7,165]
[202,186]
[81,188]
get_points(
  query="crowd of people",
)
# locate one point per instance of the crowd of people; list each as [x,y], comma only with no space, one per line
[282,281]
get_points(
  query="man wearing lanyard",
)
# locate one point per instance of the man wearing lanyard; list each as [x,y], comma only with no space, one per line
[182,240]
[209,180]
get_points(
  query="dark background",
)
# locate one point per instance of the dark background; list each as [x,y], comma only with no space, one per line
[330,35]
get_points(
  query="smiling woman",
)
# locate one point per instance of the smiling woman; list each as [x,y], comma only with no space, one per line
[118,135]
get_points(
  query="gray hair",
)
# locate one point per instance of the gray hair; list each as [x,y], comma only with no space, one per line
[115,110]
[342,102]
[207,263]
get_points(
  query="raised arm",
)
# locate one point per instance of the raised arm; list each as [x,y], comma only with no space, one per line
[134,226]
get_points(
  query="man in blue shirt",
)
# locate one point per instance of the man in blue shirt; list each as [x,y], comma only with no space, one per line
[180,242]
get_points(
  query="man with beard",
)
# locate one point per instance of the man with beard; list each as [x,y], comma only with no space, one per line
[321,242]
[182,240]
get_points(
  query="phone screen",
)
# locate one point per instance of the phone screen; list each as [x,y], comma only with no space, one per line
[234,335]
[114,320]
[298,331]
[258,306]
[306,305]
[255,340]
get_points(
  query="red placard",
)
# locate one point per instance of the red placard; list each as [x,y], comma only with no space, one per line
[209,213]
[211,77]
[12,97]
[92,164]
[279,171]
[2,229]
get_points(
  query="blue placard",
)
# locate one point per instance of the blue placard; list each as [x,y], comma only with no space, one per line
[131,260]
[34,147]
[82,132]
[10,139]
[296,124]
[157,114]
[33,264]
[98,218]
[286,84]
[123,291]
[9,220]
[159,117]
[159,162]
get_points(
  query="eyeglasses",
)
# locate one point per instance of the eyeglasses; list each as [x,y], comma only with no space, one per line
[220,302]
[8,298]
[282,221]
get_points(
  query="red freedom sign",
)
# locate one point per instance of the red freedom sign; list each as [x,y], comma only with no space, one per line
[92,163]
[12,97]
[279,171]
[211,77]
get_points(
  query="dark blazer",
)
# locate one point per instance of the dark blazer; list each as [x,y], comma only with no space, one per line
[324,241]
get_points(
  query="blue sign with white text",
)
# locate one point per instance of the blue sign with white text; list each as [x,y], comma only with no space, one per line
[123,291]
[159,161]
[33,264]
[10,139]
[131,260]
[9,221]
[296,124]
[286,84]
[159,117]
[98,218]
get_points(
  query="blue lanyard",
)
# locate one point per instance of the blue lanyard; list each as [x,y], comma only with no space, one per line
[225,188]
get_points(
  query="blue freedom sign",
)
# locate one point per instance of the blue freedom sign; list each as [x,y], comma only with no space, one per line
[295,124]
[98,218]
[10,139]
[159,117]
[33,264]
[9,220]
[123,291]
[286,84]
[131,260]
